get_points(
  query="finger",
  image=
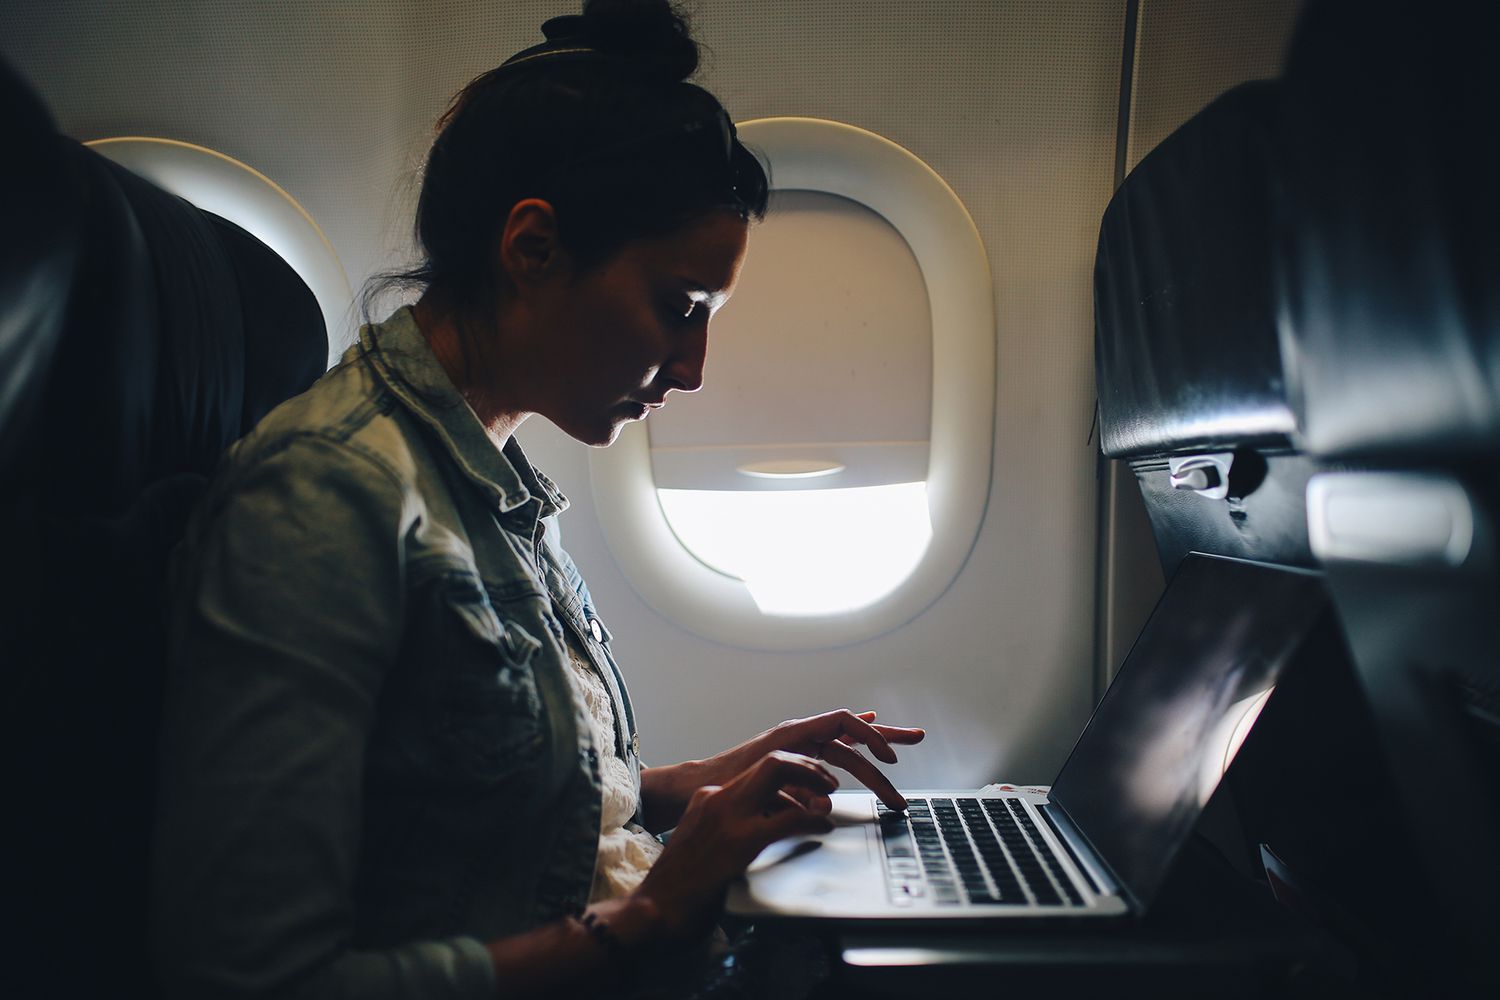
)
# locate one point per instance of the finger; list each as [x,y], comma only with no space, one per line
[817,803]
[792,823]
[780,770]
[902,734]
[868,774]
[784,800]
[848,728]
[859,730]
[894,734]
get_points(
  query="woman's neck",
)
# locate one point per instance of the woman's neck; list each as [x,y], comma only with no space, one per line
[446,341]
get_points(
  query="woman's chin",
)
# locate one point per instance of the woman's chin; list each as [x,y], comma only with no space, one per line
[597,435]
[604,431]
[607,439]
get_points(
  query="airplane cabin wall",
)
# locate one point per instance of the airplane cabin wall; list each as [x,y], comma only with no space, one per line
[1016,105]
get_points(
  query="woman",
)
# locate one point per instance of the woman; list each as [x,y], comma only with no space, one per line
[398,757]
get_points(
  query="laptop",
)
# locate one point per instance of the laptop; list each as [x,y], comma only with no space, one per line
[1100,840]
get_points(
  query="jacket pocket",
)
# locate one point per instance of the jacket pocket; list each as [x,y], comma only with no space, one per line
[489,713]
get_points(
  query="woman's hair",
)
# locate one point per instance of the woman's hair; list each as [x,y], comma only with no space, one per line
[599,121]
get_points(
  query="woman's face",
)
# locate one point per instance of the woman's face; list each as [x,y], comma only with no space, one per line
[617,339]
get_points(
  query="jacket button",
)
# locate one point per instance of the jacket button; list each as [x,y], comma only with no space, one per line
[596,629]
[635,744]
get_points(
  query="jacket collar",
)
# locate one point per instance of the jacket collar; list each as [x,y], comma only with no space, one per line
[398,354]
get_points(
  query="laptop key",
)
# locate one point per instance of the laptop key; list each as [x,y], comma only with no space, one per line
[1007,887]
[893,834]
[1026,823]
[967,850]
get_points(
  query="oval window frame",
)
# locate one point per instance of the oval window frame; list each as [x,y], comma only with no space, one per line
[821,155]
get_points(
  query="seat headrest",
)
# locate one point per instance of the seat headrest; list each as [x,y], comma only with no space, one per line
[1388,237]
[183,330]
[139,334]
[39,225]
[1186,356]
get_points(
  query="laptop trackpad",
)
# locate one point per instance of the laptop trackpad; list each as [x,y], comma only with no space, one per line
[802,872]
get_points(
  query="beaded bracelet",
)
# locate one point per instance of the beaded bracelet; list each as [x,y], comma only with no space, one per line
[600,931]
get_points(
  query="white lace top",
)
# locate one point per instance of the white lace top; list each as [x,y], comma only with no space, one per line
[626,850]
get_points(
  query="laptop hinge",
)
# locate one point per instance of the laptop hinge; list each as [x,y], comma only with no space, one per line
[1078,849]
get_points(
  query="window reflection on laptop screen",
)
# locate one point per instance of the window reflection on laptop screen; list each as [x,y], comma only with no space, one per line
[1179,708]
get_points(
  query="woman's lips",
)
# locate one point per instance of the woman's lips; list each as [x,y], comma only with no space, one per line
[639,408]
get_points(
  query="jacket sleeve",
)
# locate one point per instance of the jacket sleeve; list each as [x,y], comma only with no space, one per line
[287,615]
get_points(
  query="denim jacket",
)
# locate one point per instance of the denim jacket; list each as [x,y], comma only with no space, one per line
[372,761]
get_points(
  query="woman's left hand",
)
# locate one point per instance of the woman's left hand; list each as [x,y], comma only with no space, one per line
[832,736]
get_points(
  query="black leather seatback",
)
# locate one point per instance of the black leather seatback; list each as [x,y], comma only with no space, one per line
[1387,263]
[1186,335]
[1190,370]
[1186,352]
[140,337]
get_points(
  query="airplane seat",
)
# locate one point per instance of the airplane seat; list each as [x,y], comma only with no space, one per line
[1192,394]
[1188,367]
[1387,256]
[140,336]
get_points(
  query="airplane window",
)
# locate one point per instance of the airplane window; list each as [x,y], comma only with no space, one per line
[819,491]
[232,190]
[807,552]
[801,470]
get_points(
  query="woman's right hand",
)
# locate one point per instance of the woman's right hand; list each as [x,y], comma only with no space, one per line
[723,829]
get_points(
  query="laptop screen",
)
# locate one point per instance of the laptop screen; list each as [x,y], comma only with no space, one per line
[1179,708]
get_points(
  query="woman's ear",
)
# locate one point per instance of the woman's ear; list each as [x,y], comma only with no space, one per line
[530,251]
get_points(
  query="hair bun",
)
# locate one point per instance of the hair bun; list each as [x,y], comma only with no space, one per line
[650,34]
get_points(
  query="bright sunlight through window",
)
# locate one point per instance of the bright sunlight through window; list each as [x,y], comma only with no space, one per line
[806,552]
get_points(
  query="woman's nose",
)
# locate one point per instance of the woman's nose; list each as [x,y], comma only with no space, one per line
[684,370]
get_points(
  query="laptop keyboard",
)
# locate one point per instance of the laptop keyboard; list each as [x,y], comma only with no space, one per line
[983,852]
